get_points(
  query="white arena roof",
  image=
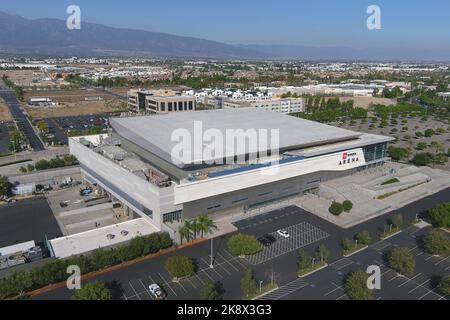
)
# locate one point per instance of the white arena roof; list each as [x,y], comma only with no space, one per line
[153,133]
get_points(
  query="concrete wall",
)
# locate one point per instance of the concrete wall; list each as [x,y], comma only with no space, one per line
[130,189]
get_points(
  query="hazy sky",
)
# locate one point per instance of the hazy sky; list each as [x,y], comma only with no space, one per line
[405,23]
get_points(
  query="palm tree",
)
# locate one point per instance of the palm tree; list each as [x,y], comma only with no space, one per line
[185,233]
[205,224]
[192,227]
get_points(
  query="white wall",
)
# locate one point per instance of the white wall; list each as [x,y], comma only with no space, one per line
[233,182]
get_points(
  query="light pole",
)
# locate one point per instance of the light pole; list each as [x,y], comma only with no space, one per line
[260,285]
[211,265]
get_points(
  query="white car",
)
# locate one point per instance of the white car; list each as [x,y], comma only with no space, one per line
[283,233]
[156,292]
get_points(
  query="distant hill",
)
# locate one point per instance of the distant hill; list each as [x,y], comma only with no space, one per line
[50,36]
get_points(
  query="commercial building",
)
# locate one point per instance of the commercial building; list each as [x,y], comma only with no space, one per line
[137,164]
[157,102]
[285,106]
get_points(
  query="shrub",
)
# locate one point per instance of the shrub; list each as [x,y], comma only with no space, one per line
[444,286]
[390,181]
[364,238]
[440,215]
[422,159]
[347,205]
[243,244]
[336,208]
[304,260]
[93,291]
[401,260]
[347,244]
[356,286]
[436,242]
[429,133]
[179,266]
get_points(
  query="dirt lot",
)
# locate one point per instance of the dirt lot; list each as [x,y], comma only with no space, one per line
[28,78]
[68,96]
[366,102]
[5,115]
[77,108]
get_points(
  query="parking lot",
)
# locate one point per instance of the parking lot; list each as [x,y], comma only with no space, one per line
[328,283]
[300,235]
[225,265]
[60,128]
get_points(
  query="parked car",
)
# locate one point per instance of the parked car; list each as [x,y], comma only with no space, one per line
[267,240]
[156,292]
[86,191]
[283,233]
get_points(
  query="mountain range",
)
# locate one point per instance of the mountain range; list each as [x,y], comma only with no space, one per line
[19,35]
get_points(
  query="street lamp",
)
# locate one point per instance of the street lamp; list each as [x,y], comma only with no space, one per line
[260,285]
[211,265]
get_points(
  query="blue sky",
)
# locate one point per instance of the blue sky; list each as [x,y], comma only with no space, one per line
[405,23]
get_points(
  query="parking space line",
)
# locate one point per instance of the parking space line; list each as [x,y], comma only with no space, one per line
[443,259]
[181,285]
[200,279]
[213,269]
[419,286]
[343,296]
[218,253]
[237,259]
[393,278]
[204,271]
[136,294]
[335,289]
[167,283]
[190,281]
[146,290]
[409,279]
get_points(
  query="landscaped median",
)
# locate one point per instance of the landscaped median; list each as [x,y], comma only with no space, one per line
[264,290]
[312,268]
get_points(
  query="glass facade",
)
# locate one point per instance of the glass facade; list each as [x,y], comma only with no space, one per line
[375,152]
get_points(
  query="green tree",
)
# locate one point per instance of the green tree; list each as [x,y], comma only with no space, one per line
[402,261]
[347,244]
[4,186]
[356,286]
[93,291]
[179,266]
[440,215]
[322,253]
[243,244]
[205,224]
[437,242]
[429,133]
[364,238]
[397,220]
[421,146]
[421,159]
[347,205]
[336,208]
[304,260]
[249,286]
[185,233]
[210,292]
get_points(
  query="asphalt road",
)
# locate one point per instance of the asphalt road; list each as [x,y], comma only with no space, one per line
[131,283]
[15,108]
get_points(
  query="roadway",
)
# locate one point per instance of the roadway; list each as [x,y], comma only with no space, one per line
[131,283]
[16,110]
